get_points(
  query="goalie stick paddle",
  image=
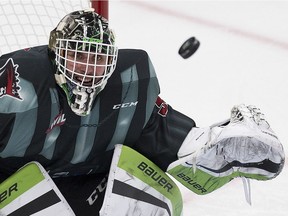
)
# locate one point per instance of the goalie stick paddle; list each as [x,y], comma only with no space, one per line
[189,47]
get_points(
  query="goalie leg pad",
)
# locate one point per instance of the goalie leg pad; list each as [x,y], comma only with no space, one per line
[31,191]
[136,186]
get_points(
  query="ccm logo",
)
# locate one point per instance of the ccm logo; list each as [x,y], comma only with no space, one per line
[125,105]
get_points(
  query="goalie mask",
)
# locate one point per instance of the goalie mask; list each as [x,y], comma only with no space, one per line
[85,56]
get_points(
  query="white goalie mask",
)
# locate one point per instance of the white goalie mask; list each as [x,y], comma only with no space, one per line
[85,56]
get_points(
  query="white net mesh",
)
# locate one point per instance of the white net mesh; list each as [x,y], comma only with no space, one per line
[26,23]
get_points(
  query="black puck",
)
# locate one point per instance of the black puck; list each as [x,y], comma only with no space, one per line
[189,47]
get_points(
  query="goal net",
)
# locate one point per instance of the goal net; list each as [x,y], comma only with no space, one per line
[27,23]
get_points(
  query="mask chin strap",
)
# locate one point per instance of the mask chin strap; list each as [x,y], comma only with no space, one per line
[80,99]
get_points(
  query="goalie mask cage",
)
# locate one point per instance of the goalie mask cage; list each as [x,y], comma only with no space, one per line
[28,23]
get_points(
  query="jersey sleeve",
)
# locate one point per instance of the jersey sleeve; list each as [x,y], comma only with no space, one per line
[163,134]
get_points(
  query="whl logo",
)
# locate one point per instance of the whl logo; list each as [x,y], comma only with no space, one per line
[58,121]
[9,82]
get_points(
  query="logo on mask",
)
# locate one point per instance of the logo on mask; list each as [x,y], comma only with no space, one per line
[9,82]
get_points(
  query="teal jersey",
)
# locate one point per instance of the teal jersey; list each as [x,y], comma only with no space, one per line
[37,124]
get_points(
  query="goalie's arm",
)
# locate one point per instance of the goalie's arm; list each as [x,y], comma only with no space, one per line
[204,159]
[163,134]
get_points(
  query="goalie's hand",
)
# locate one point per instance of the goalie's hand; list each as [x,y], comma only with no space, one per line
[249,121]
[251,118]
[245,143]
[242,146]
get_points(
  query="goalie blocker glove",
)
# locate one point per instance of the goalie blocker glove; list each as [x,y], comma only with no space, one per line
[243,146]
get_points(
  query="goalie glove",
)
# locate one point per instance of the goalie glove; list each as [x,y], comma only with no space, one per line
[243,146]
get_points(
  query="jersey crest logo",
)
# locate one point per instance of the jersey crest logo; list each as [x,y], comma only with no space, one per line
[58,121]
[9,81]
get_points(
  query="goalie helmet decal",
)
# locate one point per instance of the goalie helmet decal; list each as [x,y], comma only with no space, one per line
[84,25]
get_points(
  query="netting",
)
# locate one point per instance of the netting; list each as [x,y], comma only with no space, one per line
[26,23]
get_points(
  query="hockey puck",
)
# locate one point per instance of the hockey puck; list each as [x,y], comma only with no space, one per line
[189,47]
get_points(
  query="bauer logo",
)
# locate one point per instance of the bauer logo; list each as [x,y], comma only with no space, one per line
[158,177]
[8,192]
[9,82]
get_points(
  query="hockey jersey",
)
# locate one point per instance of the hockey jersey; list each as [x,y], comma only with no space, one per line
[37,124]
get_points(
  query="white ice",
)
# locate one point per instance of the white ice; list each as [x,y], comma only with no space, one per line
[243,58]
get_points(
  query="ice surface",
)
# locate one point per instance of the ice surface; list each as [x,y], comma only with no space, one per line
[243,58]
